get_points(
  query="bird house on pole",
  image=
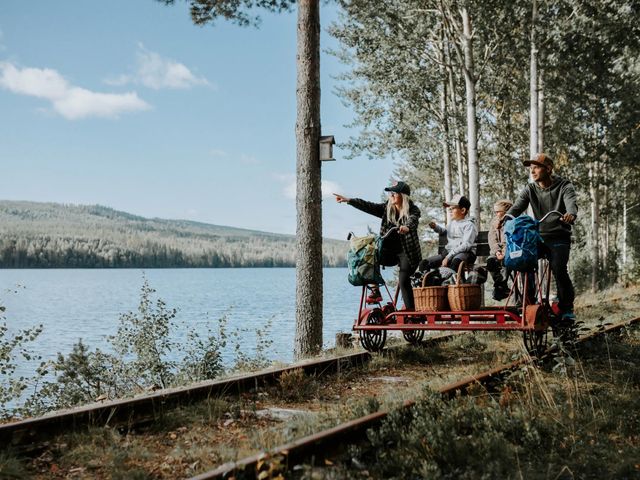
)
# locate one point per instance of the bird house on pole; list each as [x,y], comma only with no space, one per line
[326,148]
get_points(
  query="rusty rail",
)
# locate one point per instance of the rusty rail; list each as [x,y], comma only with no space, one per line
[28,433]
[330,440]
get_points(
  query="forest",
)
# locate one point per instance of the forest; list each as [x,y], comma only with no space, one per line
[460,93]
[49,235]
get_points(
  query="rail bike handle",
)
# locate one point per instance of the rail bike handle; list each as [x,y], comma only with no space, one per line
[560,214]
[392,229]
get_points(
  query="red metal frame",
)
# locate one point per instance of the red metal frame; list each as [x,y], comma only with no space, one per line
[536,315]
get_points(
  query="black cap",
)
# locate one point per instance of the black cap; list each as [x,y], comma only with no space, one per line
[399,187]
[458,201]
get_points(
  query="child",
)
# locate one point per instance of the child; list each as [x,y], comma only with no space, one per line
[497,249]
[461,237]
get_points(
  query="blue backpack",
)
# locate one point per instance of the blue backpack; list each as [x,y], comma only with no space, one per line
[363,260]
[522,243]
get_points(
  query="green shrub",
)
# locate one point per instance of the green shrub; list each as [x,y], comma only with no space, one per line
[13,346]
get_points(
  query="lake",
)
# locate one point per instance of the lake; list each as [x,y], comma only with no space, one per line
[74,304]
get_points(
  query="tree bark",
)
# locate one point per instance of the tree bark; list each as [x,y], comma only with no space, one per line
[624,230]
[595,225]
[456,131]
[533,85]
[472,127]
[446,151]
[308,339]
[540,120]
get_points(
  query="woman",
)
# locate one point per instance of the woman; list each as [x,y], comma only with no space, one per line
[401,248]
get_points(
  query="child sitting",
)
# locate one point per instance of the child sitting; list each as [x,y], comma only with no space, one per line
[461,237]
[496,251]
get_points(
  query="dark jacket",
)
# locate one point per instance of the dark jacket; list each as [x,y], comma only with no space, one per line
[409,241]
[560,195]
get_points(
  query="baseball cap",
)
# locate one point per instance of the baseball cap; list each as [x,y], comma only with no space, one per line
[458,201]
[399,187]
[502,205]
[541,159]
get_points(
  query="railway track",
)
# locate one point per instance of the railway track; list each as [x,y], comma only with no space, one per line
[323,445]
[25,435]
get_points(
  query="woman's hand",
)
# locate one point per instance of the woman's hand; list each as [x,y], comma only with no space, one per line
[403,229]
[568,218]
[341,198]
[500,255]
[432,225]
[445,261]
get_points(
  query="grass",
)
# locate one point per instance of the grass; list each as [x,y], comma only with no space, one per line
[549,423]
[196,438]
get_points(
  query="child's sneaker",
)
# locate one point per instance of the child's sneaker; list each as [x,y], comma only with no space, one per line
[500,292]
[375,296]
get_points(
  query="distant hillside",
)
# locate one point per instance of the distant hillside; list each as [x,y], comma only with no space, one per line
[50,235]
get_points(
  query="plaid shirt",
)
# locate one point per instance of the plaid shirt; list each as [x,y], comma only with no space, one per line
[409,241]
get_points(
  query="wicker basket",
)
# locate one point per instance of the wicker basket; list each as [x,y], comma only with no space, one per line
[464,297]
[430,299]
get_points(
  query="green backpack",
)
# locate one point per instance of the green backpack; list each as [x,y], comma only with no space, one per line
[363,260]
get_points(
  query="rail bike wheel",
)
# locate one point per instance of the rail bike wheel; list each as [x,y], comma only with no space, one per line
[566,332]
[373,340]
[414,337]
[539,317]
[535,341]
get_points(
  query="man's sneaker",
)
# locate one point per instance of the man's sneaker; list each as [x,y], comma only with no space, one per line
[566,329]
[374,297]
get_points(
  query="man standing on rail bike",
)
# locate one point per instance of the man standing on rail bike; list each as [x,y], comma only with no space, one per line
[550,192]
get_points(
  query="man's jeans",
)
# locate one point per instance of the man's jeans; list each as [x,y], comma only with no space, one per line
[558,254]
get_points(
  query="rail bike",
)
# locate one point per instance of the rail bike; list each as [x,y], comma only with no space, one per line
[527,309]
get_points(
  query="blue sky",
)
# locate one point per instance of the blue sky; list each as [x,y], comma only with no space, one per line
[128,104]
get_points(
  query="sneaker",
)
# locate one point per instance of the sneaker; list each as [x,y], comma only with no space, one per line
[500,292]
[375,296]
[568,317]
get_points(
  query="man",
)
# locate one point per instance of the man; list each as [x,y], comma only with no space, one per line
[549,192]
[497,249]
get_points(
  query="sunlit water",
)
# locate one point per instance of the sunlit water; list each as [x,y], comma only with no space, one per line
[86,304]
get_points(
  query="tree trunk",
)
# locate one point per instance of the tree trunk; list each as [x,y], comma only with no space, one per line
[624,230]
[540,129]
[606,223]
[595,225]
[533,86]
[472,127]
[308,339]
[446,151]
[456,131]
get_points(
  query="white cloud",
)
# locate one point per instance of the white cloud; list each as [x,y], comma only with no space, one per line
[290,190]
[248,159]
[157,72]
[68,100]
[328,187]
[217,153]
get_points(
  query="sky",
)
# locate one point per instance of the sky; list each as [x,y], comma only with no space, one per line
[127,104]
